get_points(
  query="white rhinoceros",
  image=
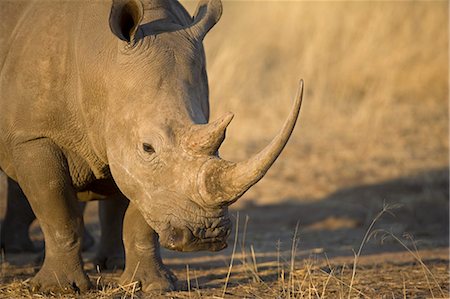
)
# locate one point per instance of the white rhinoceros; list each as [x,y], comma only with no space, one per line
[95,94]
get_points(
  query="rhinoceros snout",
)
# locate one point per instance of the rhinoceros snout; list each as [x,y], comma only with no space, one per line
[185,239]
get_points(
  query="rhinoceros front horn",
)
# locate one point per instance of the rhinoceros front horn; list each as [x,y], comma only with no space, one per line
[223,182]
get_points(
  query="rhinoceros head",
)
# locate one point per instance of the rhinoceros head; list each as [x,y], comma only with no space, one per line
[162,152]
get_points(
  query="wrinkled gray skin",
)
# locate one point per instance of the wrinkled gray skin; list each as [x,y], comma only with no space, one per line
[95,95]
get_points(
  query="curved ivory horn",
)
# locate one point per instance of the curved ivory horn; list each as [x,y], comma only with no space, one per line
[207,138]
[207,15]
[224,182]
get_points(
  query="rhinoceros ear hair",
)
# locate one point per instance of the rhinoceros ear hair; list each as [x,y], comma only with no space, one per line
[207,15]
[125,17]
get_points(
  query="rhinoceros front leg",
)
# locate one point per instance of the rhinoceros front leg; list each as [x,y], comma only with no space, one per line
[18,218]
[111,254]
[43,174]
[142,255]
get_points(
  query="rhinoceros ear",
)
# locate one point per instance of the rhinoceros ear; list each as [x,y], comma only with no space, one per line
[207,15]
[125,17]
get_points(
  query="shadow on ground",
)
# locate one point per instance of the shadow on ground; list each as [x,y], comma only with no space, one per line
[332,229]
[418,215]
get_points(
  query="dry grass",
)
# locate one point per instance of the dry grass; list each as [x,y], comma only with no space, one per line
[373,128]
[284,278]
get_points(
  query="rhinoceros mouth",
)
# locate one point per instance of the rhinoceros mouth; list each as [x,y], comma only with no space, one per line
[186,238]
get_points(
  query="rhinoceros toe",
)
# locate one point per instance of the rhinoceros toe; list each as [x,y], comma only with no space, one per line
[60,281]
[159,280]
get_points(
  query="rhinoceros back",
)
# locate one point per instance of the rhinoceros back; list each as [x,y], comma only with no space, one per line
[11,13]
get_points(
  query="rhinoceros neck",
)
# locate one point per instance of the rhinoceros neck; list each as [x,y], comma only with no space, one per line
[94,56]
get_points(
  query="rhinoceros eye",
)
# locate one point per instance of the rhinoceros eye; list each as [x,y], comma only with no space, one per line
[148,148]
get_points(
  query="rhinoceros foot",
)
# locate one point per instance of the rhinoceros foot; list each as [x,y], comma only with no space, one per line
[150,278]
[60,276]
